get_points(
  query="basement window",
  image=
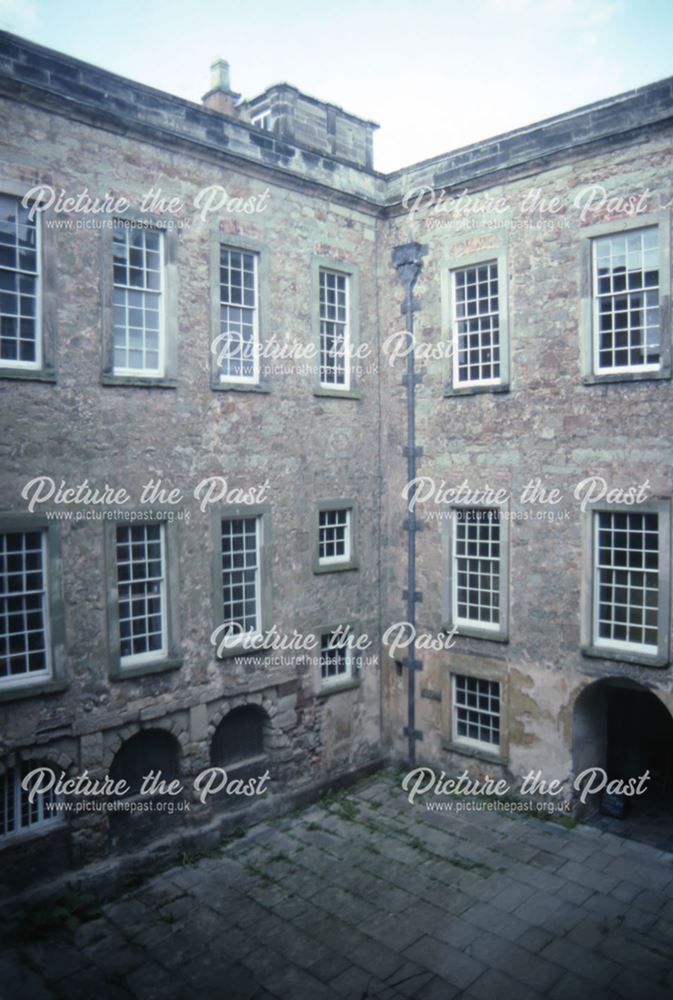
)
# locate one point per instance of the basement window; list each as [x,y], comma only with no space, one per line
[476,712]
[17,814]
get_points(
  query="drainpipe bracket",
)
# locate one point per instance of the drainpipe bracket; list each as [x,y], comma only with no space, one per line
[411,524]
[416,304]
[414,734]
[416,452]
[411,664]
[418,596]
[417,378]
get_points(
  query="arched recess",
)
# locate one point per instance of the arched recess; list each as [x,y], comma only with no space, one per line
[625,729]
[148,750]
[241,738]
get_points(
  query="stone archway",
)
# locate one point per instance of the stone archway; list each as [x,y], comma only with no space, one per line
[626,729]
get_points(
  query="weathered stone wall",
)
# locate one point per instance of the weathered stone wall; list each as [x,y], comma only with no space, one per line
[549,425]
[308,447]
[73,127]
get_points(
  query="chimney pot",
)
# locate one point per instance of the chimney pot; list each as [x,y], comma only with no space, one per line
[221,97]
[219,75]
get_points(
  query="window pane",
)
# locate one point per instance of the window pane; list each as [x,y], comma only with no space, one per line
[18,284]
[626,578]
[476,710]
[626,300]
[238,343]
[334,328]
[141,589]
[477,566]
[23,606]
[476,324]
[137,300]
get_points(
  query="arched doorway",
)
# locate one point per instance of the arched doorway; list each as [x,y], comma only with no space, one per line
[624,728]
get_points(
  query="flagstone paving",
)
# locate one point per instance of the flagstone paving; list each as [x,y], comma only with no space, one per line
[366,896]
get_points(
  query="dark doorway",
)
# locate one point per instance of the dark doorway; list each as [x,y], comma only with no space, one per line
[622,727]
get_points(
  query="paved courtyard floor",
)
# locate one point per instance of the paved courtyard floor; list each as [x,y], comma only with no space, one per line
[365,896]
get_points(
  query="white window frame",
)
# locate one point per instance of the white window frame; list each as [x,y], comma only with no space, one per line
[242,379]
[458,382]
[468,741]
[150,656]
[476,623]
[348,546]
[346,675]
[645,649]
[44,823]
[596,297]
[262,120]
[258,574]
[158,372]
[347,337]
[612,649]
[36,677]
[37,364]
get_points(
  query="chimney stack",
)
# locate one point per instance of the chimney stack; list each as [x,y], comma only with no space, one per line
[221,97]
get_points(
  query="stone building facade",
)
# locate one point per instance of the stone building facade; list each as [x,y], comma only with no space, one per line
[266,486]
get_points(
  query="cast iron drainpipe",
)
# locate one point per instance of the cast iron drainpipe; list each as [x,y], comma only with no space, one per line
[407,260]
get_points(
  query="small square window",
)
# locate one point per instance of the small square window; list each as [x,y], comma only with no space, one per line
[476,712]
[335,537]
[336,658]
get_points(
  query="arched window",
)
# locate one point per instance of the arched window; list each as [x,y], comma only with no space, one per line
[149,750]
[17,813]
[240,736]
